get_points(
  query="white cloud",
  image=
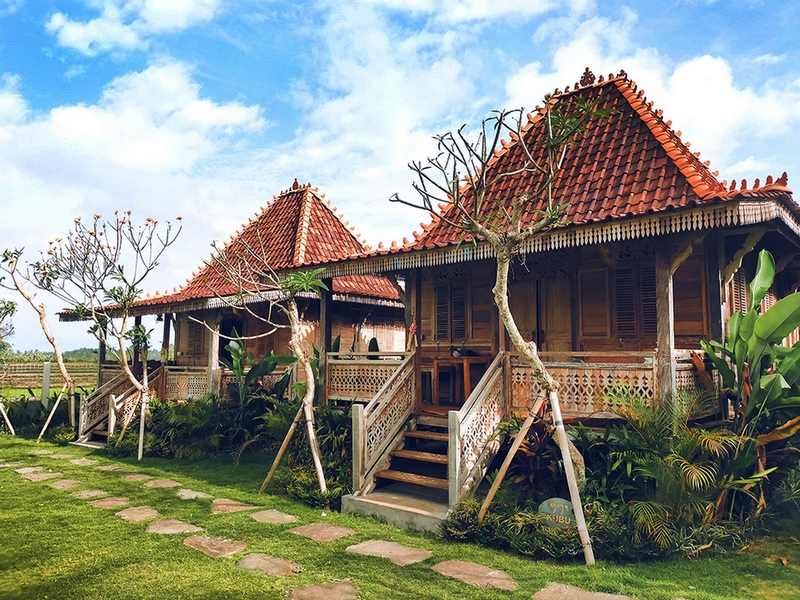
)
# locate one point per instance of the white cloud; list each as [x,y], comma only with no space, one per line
[126,24]
[9,7]
[456,11]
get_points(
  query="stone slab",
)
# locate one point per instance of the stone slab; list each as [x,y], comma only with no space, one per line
[337,590]
[225,505]
[269,565]
[25,470]
[273,516]
[65,484]
[134,514]
[62,456]
[137,477]
[83,462]
[109,468]
[185,494]
[213,546]
[397,553]
[41,452]
[559,591]
[323,532]
[86,494]
[475,574]
[162,483]
[112,502]
[9,465]
[41,476]
[171,526]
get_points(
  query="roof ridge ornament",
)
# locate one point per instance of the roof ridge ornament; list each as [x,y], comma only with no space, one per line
[587,78]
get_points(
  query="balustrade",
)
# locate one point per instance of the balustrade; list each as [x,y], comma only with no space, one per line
[360,376]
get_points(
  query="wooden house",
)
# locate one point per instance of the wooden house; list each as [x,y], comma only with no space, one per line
[655,256]
[296,229]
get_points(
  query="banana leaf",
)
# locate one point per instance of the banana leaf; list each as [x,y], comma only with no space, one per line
[789,365]
[728,376]
[780,320]
[765,274]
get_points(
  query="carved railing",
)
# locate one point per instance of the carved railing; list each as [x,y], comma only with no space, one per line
[267,381]
[94,408]
[378,425]
[359,376]
[182,383]
[584,378]
[473,439]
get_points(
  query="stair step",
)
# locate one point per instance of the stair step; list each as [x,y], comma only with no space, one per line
[440,459]
[427,435]
[423,480]
[100,432]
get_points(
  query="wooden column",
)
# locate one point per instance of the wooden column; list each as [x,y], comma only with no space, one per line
[714,265]
[417,300]
[213,359]
[162,388]
[665,325]
[325,332]
[137,361]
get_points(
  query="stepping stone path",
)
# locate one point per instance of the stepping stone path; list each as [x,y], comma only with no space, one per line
[137,477]
[397,553]
[134,514]
[162,483]
[338,590]
[25,470]
[224,505]
[86,494]
[475,574]
[83,462]
[41,452]
[171,526]
[112,502]
[109,468]
[61,456]
[273,516]
[323,532]
[40,476]
[65,484]
[559,591]
[191,494]
[269,565]
[214,547]
[9,465]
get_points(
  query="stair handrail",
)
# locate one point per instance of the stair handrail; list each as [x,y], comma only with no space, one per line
[373,434]
[473,441]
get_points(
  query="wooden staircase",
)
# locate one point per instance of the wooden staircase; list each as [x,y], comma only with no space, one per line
[422,461]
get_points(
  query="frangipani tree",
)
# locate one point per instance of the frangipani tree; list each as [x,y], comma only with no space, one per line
[97,271]
[460,188]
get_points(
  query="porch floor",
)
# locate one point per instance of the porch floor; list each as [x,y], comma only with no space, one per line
[402,505]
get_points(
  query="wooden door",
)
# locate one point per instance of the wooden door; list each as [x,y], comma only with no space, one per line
[555,332]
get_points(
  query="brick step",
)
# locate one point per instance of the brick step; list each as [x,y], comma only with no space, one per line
[423,480]
[426,435]
[439,459]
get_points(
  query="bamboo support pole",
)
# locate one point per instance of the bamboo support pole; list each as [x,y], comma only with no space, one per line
[6,419]
[52,412]
[141,424]
[509,457]
[282,449]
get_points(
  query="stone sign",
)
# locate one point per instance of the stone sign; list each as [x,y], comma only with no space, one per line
[557,512]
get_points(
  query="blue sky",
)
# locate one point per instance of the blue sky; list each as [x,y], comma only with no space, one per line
[206,109]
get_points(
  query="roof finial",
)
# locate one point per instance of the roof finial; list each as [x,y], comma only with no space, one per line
[587,78]
[295,185]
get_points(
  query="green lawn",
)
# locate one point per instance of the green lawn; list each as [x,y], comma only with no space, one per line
[53,545]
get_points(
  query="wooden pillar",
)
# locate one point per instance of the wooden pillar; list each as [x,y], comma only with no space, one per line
[325,332]
[714,265]
[165,339]
[417,300]
[665,322]
[137,361]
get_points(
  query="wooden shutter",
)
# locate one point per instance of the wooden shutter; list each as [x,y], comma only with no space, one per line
[196,339]
[647,276]
[459,312]
[443,312]
[625,303]
[739,292]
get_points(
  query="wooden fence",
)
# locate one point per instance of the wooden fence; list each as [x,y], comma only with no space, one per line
[30,375]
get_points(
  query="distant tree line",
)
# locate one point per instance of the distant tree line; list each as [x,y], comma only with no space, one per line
[36,356]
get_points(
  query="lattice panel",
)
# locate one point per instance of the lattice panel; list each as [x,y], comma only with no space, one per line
[94,408]
[581,386]
[182,386]
[478,428]
[359,379]
[389,415]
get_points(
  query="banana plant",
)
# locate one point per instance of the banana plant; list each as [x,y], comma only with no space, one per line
[761,376]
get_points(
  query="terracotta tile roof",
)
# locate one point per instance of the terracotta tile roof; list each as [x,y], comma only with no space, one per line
[297,228]
[630,164]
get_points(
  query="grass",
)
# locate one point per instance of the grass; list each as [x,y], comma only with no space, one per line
[53,545]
